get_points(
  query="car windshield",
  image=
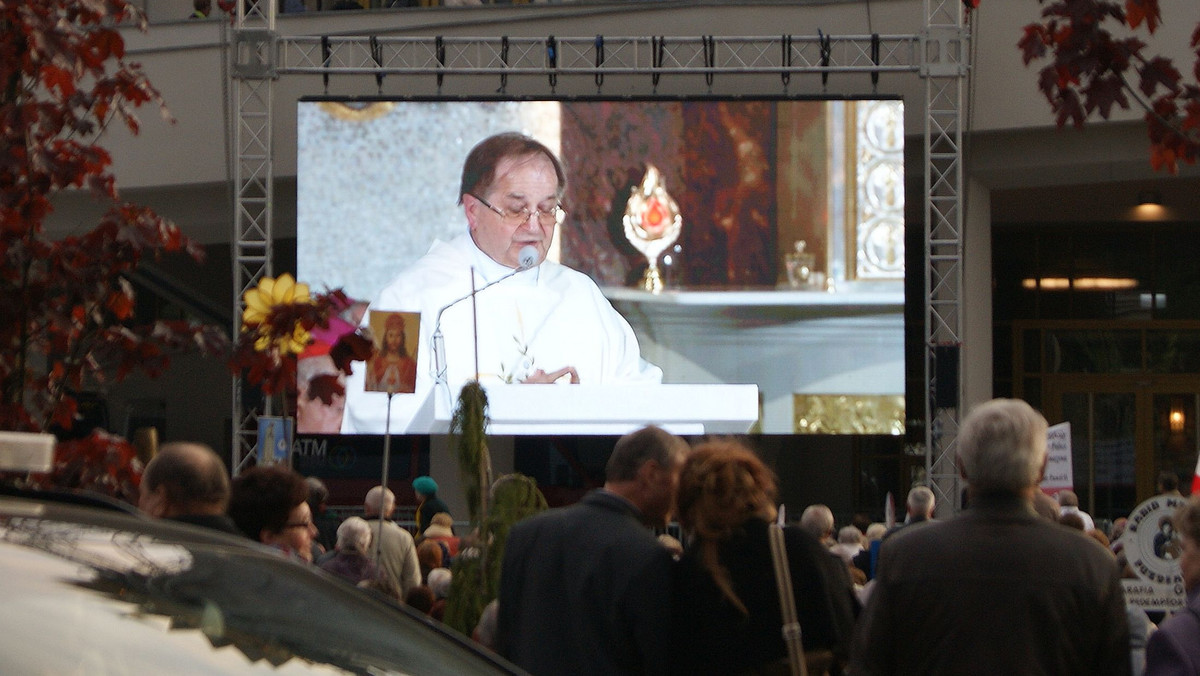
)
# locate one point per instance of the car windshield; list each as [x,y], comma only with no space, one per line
[113,594]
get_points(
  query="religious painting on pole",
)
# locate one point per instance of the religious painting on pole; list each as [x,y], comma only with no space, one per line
[393,369]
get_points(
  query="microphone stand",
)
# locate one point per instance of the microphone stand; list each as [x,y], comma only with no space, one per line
[527,259]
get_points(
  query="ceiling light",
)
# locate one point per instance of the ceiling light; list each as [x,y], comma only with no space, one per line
[1080,283]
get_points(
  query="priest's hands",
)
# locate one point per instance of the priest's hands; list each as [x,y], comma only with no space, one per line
[540,376]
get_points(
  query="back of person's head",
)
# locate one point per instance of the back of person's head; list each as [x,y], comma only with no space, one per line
[1067,498]
[1099,536]
[1002,446]
[429,554]
[1186,519]
[263,497]
[1168,482]
[1118,528]
[192,477]
[424,485]
[441,525]
[379,501]
[354,534]
[817,520]
[861,521]
[318,494]
[637,448]
[876,531]
[722,485]
[479,169]
[850,535]
[439,582]
[1072,520]
[419,598]
[920,501]
[1046,506]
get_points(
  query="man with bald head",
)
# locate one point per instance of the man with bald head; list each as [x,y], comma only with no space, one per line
[187,482]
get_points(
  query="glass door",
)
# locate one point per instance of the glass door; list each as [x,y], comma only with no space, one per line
[1125,431]
[1175,440]
[1103,446]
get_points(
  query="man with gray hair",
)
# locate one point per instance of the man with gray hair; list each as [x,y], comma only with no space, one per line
[818,521]
[586,589]
[392,547]
[997,589]
[187,482]
[918,510]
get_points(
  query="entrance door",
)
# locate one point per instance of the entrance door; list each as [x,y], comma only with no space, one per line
[1124,432]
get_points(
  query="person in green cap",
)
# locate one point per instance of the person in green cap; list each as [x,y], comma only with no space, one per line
[428,503]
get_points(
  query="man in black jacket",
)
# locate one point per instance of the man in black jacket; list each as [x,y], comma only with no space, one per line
[586,589]
[998,589]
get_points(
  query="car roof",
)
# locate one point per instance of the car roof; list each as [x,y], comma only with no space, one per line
[87,587]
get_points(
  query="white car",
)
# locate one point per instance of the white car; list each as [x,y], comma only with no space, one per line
[94,591]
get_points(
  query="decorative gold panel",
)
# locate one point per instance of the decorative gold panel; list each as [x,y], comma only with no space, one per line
[877,214]
[848,413]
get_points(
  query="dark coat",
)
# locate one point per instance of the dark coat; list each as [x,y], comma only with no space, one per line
[1175,647]
[586,589]
[425,511]
[713,637]
[996,590]
[219,522]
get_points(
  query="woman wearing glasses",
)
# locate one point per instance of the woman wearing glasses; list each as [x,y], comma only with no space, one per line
[269,503]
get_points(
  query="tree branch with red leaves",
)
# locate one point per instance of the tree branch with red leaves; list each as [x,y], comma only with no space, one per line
[1091,72]
[69,309]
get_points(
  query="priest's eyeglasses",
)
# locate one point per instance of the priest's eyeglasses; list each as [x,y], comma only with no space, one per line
[553,216]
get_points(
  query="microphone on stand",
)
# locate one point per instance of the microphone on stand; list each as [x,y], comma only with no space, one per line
[527,258]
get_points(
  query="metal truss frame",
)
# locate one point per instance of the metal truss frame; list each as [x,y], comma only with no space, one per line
[938,55]
[252,71]
[944,68]
[597,56]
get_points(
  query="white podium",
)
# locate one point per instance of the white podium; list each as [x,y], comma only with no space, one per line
[610,409]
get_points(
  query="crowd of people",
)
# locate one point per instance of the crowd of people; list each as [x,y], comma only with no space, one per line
[276,506]
[1018,583]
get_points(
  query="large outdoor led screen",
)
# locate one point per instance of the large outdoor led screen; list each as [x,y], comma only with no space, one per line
[786,270]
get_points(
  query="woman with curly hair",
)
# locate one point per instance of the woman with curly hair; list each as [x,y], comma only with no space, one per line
[727,614]
[269,503]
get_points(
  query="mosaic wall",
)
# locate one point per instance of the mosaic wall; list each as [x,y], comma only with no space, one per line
[879,195]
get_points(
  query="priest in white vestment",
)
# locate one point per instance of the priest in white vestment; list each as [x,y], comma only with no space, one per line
[544,324]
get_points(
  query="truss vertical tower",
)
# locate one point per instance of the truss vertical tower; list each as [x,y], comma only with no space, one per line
[551,65]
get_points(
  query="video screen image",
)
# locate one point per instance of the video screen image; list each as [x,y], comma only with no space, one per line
[771,252]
